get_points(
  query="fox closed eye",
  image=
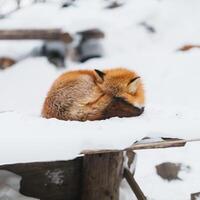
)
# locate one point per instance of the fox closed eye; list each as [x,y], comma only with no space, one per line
[134,79]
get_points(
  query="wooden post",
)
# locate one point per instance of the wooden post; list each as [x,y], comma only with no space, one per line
[37,34]
[102,174]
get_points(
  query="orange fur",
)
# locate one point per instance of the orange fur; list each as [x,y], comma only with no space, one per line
[85,95]
[6,62]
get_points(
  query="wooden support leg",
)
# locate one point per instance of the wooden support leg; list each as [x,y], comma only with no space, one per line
[134,186]
[102,174]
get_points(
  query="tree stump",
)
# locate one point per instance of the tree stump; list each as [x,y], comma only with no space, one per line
[102,175]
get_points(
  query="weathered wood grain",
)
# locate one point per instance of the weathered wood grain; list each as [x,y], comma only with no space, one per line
[59,180]
[102,174]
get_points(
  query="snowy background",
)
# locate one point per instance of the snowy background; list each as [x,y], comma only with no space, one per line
[171,80]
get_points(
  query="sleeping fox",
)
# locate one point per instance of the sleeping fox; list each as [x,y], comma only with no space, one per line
[94,95]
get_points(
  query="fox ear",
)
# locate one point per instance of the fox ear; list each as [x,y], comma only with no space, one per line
[99,75]
[133,84]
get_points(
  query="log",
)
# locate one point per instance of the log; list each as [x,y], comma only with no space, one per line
[102,175]
[35,34]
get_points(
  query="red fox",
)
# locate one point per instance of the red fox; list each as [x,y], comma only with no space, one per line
[94,95]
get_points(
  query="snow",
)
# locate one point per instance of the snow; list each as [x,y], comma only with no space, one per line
[171,80]
[56,176]
[146,172]
[10,179]
[9,186]
[7,193]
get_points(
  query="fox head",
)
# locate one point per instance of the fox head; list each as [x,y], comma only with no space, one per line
[125,89]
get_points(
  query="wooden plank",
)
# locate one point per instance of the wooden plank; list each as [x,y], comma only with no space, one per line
[36,34]
[58,180]
[157,145]
[169,143]
[102,175]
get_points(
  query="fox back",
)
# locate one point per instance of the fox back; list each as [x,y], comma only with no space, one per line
[95,95]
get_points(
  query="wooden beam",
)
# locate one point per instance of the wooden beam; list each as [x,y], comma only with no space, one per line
[59,180]
[158,145]
[102,175]
[168,143]
[35,34]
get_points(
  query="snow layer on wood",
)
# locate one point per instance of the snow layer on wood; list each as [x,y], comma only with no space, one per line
[23,89]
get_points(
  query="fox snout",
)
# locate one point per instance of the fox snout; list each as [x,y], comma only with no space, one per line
[121,108]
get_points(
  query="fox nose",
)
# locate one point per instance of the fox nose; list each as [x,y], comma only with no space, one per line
[140,110]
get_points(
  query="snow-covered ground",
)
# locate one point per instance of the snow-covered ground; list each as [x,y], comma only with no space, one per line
[171,80]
